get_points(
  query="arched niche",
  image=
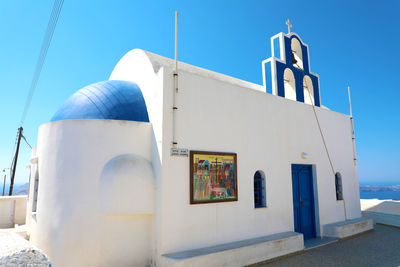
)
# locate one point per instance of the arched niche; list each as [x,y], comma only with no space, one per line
[127,186]
[308,90]
[289,84]
[297,54]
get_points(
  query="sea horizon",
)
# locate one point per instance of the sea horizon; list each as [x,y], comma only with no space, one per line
[381,195]
[365,191]
[380,183]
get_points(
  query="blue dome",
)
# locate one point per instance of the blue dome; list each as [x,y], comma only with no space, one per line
[110,100]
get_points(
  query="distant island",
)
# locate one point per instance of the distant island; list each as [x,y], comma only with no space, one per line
[19,189]
[379,188]
[22,189]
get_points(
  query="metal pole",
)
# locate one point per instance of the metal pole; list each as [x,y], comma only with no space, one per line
[351,110]
[353,136]
[174,107]
[14,167]
[176,41]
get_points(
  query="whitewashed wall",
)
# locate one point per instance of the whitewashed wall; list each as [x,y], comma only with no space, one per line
[268,133]
[30,215]
[146,70]
[12,211]
[215,113]
[72,227]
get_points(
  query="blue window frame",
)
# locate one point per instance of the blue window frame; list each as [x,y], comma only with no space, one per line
[259,190]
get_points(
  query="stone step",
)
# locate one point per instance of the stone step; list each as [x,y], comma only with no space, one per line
[239,253]
[348,228]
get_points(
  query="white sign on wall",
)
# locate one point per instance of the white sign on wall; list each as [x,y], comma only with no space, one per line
[183,152]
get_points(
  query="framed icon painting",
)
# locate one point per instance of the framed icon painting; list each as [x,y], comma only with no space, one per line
[213,177]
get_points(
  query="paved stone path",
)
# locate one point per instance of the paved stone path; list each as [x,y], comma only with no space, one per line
[380,247]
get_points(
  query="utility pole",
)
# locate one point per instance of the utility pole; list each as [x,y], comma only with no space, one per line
[4,182]
[14,166]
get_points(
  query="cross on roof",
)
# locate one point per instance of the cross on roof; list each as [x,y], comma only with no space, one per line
[288,25]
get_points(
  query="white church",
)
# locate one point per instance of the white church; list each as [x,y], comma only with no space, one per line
[168,164]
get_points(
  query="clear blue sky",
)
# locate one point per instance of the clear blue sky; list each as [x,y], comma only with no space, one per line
[352,43]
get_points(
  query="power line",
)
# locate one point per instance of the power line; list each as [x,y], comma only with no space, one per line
[51,25]
[55,13]
[26,141]
[317,120]
[326,147]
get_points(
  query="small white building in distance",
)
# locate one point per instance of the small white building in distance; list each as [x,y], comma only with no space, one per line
[159,166]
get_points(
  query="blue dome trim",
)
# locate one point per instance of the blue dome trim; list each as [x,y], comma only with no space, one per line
[109,100]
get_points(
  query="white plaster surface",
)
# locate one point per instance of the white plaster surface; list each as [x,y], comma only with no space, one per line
[383,218]
[117,178]
[382,211]
[238,253]
[12,210]
[215,113]
[268,133]
[33,191]
[308,90]
[289,84]
[68,224]
[348,228]
[377,205]
[16,251]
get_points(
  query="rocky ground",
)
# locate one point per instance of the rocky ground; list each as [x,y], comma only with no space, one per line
[16,251]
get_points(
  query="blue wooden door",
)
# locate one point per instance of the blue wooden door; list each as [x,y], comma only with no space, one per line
[303,200]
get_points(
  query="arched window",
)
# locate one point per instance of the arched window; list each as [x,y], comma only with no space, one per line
[289,84]
[259,190]
[297,54]
[338,186]
[35,190]
[308,90]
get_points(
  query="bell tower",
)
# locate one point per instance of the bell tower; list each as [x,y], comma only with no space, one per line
[287,71]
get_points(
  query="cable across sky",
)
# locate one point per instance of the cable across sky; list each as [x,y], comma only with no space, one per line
[51,26]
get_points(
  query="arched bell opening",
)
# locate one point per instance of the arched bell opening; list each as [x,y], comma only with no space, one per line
[297,54]
[308,91]
[289,84]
